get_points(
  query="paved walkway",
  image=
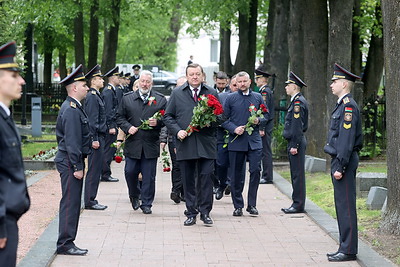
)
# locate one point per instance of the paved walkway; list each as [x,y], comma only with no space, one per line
[120,236]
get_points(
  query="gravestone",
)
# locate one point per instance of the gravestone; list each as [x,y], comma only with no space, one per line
[313,164]
[376,197]
[365,180]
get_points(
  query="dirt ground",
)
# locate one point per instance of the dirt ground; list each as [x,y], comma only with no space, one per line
[46,193]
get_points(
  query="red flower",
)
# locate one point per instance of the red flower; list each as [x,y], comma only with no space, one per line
[162,112]
[263,108]
[118,159]
[252,108]
[167,169]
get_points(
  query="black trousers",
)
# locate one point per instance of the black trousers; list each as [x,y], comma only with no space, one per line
[297,173]
[345,204]
[92,180]
[176,177]
[70,204]
[148,169]
[108,154]
[267,166]
[8,255]
[237,160]
[222,166]
[204,200]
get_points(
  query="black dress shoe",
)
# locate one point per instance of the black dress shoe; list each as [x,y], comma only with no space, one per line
[175,197]
[135,203]
[96,207]
[219,194]
[74,251]
[291,210]
[342,257]
[252,210]
[206,219]
[228,190]
[238,212]
[332,253]
[109,179]
[146,210]
[189,221]
[215,189]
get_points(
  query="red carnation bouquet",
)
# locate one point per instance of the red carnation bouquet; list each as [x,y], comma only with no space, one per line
[165,161]
[119,154]
[254,114]
[204,113]
[145,123]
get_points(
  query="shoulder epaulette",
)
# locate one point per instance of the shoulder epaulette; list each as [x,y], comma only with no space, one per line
[72,104]
[93,92]
[297,97]
[346,100]
[109,87]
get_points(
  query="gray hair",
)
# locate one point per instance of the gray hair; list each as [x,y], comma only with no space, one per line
[242,74]
[146,72]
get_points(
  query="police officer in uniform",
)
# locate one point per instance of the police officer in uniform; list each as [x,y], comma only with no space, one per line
[94,108]
[296,124]
[74,142]
[344,143]
[127,78]
[110,98]
[14,198]
[266,129]
[135,76]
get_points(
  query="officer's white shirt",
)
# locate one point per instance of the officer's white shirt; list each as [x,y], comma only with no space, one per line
[6,109]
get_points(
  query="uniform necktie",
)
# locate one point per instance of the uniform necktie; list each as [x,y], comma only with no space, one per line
[195,94]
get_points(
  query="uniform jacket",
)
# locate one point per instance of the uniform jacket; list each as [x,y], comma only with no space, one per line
[268,98]
[296,121]
[95,109]
[132,111]
[201,144]
[109,95]
[220,130]
[345,133]
[119,91]
[236,110]
[14,198]
[73,134]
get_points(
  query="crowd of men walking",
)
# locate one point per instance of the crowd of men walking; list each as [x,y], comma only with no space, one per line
[127,114]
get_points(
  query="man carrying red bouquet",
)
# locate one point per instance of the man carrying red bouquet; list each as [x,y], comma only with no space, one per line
[245,110]
[139,116]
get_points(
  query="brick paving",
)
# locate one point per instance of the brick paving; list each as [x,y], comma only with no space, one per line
[120,236]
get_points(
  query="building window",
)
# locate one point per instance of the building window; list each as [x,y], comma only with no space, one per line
[214,51]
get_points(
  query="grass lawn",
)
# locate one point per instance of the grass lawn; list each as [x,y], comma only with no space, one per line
[34,145]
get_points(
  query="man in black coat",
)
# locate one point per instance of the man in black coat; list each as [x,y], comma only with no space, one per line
[135,76]
[94,108]
[344,143]
[142,146]
[199,150]
[14,198]
[296,124]
[74,144]
[110,98]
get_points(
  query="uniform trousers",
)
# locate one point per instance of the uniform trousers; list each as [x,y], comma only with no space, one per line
[237,160]
[176,177]
[267,172]
[204,200]
[222,166]
[8,255]
[108,154]
[92,180]
[148,169]
[297,173]
[70,204]
[345,204]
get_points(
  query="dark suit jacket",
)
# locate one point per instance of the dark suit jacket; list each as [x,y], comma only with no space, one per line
[109,95]
[201,144]
[131,112]
[14,198]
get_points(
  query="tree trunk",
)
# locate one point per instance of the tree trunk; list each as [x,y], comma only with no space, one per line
[315,72]
[48,56]
[295,37]
[246,54]
[225,62]
[391,32]
[269,35]
[62,62]
[356,43]
[93,35]
[277,48]
[374,68]
[79,44]
[111,38]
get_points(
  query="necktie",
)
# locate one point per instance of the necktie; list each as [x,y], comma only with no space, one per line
[195,94]
[144,97]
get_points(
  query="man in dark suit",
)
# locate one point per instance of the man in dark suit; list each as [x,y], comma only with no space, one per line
[296,124]
[267,127]
[243,145]
[135,76]
[14,198]
[199,150]
[344,143]
[74,142]
[110,98]
[94,108]
[142,146]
